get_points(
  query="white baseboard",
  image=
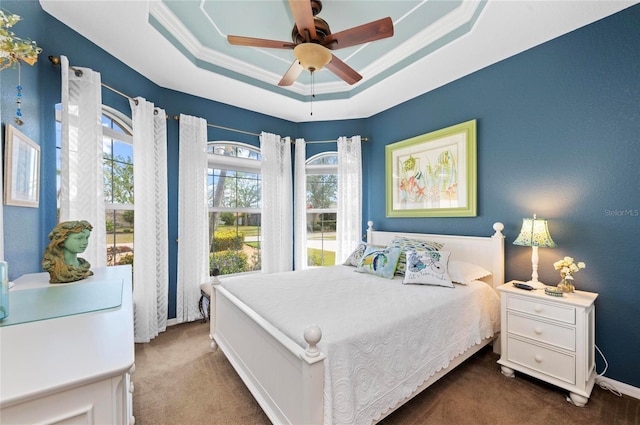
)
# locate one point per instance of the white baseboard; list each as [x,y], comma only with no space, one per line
[623,388]
[174,321]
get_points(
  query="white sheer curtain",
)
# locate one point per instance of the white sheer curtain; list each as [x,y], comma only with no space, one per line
[193,226]
[150,265]
[81,173]
[1,216]
[349,217]
[300,205]
[277,199]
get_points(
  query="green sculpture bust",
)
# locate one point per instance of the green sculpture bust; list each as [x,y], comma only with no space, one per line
[67,240]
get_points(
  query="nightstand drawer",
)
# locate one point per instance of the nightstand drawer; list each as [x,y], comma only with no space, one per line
[561,313]
[549,362]
[560,336]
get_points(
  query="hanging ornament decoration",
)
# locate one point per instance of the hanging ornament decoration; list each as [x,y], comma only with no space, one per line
[18,118]
[14,51]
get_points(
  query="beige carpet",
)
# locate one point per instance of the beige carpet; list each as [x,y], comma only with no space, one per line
[180,380]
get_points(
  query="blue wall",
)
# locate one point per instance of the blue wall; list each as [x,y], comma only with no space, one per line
[558,130]
[23,229]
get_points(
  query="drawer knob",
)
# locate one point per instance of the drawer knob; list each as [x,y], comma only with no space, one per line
[538,330]
[537,308]
[538,358]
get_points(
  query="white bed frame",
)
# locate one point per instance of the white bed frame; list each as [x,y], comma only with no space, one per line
[286,379]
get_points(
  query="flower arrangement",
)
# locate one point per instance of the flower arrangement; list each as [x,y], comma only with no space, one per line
[12,48]
[567,268]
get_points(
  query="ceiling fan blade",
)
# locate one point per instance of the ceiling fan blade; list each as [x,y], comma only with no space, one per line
[376,30]
[303,16]
[292,74]
[237,40]
[342,70]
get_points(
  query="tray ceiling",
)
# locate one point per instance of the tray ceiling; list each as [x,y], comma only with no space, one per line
[181,45]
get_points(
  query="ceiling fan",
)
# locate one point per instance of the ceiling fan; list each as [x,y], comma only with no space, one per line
[312,42]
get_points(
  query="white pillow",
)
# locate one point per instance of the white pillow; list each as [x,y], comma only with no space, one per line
[464,272]
[427,268]
[355,257]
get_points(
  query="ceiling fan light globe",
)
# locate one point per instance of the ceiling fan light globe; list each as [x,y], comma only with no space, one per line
[312,56]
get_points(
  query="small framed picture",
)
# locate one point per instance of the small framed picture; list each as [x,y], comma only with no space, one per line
[21,169]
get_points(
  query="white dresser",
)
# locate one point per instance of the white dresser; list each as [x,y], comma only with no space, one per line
[549,338]
[73,369]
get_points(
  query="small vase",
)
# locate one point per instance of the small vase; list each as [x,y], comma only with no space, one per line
[565,285]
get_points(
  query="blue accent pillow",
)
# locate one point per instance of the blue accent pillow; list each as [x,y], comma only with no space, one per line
[406,244]
[428,268]
[379,261]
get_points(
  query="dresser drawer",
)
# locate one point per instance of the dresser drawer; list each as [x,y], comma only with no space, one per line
[549,362]
[549,333]
[566,314]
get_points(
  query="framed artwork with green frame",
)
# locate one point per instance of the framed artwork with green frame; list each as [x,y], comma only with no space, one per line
[434,174]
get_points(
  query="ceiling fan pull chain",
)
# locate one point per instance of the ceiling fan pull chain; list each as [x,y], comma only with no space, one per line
[313,91]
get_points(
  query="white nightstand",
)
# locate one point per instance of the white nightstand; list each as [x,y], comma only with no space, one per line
[549,338]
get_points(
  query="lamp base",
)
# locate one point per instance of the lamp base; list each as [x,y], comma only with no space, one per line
[536,284]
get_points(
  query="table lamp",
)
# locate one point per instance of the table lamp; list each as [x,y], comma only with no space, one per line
[534,233]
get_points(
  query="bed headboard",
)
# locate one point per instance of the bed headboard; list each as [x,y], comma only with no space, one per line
[487,252]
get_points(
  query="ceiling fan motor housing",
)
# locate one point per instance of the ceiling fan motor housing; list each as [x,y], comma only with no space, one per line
[322,31]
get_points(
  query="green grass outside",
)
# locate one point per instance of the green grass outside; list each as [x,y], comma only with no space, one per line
[320,235]
[120,237]
[247,230]
[123,237]
[315,256]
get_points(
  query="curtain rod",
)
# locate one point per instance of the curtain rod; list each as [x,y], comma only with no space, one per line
[313,142]
[55,60]
[293,142]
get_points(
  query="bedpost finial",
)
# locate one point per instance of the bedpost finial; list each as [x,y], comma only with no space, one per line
[498,227]
[312,334]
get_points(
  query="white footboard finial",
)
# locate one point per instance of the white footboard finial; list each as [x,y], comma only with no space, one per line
[312,334]
[498,227]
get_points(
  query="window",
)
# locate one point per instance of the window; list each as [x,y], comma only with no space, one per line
[117,143]
[234,186]
[322,198]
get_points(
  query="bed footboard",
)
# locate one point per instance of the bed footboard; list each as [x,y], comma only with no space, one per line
[286,379]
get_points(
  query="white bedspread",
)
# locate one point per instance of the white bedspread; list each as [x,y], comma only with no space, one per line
[382,339]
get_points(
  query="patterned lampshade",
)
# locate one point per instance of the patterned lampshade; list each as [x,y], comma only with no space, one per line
[534,232]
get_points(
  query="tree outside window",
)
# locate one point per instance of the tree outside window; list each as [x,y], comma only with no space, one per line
[118,183]
[322,198]
[234,187]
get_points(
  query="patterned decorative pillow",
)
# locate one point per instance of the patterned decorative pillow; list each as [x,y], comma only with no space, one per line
[355,257]
[379,261]
[464,272]
[406,244]
[428,268]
